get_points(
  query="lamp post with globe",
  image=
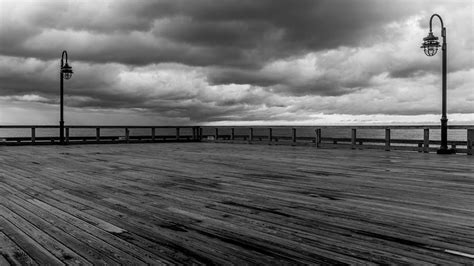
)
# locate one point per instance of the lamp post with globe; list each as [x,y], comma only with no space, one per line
[64,73]
[430,46]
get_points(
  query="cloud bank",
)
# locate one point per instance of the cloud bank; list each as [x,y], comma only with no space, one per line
[235,61]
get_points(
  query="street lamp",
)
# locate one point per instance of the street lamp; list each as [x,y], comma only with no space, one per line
[64,73]
[430,46]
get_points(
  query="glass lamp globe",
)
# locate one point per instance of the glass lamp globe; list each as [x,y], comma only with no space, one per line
[430,44]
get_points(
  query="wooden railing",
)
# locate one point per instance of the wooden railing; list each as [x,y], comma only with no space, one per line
[354,142]
[154,135]
[196,133]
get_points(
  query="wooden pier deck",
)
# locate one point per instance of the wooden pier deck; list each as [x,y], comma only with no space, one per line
[209,203]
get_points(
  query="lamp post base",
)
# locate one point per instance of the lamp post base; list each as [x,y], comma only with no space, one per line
[443,150]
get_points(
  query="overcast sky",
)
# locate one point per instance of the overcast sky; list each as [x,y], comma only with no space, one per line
[233,61]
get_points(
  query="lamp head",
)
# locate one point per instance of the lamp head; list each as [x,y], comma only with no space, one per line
[430,44]
[66,70]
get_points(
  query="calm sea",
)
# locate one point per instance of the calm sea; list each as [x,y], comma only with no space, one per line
[456,134]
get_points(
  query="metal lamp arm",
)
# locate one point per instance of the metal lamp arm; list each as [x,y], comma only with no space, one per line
[64,54]
[443,33]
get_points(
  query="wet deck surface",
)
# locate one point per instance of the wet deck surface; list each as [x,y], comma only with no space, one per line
[230,203]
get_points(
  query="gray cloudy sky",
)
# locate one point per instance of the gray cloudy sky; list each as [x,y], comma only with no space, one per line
[233,61]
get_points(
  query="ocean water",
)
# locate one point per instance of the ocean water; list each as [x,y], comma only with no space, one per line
[412,134]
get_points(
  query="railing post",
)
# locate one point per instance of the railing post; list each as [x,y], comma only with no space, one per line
[216,134]
[470,141]
[177,133]
[318,137]
[387,139]
[97,134]
[251,134]
[33,135]
[293,135]
[270,134]
[354,138]
[127,134]
[426,140]
[67,135]
[199,133]
[153,134]
[232,133]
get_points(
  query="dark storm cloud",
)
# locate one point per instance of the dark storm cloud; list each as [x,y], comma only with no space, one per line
[11,86]
[304,23]
[102,16]
[235,38]
[226,32]
[232,60]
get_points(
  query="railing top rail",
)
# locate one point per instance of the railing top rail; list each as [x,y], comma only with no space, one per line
[262,126]
[352,126]
[403,127]
[29,126]
[126,126]
[89,126]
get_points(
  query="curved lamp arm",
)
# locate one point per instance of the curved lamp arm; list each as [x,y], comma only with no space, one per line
[431,21]
[62,58]
[443,29]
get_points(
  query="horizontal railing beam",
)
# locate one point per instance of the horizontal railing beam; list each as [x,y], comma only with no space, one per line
[349,127]
[256,127]
[267,134]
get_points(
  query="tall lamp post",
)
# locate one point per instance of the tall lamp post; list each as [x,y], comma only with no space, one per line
[64,73]
[430,46]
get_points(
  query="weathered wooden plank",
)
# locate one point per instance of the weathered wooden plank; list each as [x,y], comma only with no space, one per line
[30,245]
[4,261]
[146,233]
[111,234]
[55,247]
[200,203]
[80,229]
[140,256]
[94,251]
[12,254]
